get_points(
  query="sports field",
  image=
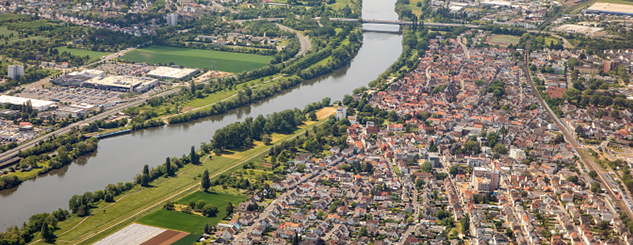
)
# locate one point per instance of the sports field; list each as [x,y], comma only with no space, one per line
[192,223]
[198,58]
[82,52]
[503,40]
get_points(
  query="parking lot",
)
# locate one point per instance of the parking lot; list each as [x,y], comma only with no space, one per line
[124,69]
[72,95]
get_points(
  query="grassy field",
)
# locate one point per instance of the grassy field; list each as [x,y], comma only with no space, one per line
[146,201]
[6,32]
[505,39]
[177,221]
[197,58]
[82,52]
[339,4]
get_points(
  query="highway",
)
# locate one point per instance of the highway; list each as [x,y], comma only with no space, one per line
[605,181]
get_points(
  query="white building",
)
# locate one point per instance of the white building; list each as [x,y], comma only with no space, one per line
[15,71]
[39,105]
[172,73]
[172,19]
[341,113]
[517,154]
[122,83]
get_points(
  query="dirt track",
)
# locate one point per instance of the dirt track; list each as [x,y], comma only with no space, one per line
[166,238]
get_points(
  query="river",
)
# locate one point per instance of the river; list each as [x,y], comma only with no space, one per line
[119,159]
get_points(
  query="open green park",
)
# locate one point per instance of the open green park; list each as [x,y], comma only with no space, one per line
[192,223]
[198,58]
[143,205]
[82,52]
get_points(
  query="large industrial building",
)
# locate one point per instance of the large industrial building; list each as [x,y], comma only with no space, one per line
[39,105]
[172,73]
[610,8]
[114,83]
[122,83]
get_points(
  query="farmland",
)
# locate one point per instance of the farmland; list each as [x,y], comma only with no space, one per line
[177,221]
[197,58]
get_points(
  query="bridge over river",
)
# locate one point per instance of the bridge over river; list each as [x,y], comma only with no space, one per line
[374,21]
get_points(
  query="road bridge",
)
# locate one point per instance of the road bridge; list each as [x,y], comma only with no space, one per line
[402,23]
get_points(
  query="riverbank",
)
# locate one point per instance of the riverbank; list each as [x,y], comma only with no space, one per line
[120,158]
[146,200]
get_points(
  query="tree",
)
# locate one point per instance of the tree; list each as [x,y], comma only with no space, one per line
[453,170]
[169,171]
[47,232]
[578,130]
[410,220]
[229,209]
[593,174]
[573,179]
[267,139]
[595,187]
[419,183]
[205,183]
[426,167]
[209,210]
[466,225]
[362,232]
[500,148]
[207,228]
[193,87]
[393,116]
[313,116]
[195,159]
[326,101]
[200,205]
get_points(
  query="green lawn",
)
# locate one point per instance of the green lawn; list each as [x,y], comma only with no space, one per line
[505,39]
[6,32]
[198,58]
[82,52]
[211,98]
[177,221]
[340,4]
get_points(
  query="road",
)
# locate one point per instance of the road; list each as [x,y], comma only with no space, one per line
[460,41]
[305,41]
[588,161]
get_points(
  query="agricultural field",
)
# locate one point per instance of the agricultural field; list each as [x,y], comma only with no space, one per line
[82,52]
[503,40]
[192,223]
[198,58]
[176,221]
